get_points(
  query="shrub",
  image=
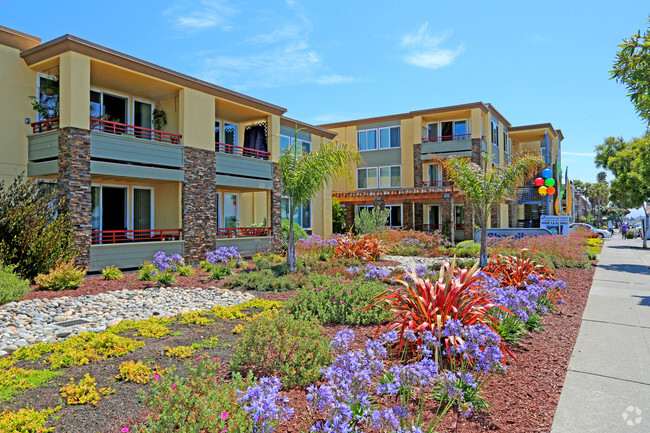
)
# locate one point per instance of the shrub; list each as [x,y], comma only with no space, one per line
[629,235]
[197,401]
[426,306]
[12,286]
[84,392]
[65,276]
[550,251]
[362,247]
[146,271]
[186,271]
[338,216]
[511,329]
[298,233]
[266,260]
[514,270]
[277,343]
[112,273]
[335,300]
[218,272]
[390,237]
[223,255]
[35,231]
[371,221]
[264,280]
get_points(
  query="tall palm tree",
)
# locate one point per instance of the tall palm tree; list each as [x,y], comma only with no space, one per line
[303,174]
[485,189]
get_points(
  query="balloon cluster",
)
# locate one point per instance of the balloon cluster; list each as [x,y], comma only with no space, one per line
[546,182]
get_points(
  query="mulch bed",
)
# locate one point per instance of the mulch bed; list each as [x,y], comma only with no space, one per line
[523,401]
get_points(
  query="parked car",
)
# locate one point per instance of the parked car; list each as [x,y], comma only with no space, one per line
[601,233]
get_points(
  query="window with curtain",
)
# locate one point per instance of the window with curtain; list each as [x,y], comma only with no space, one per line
[142,209]
[230,134]
[255,137]
[48,96]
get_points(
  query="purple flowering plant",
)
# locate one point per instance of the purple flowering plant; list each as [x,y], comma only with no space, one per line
[166,267]
[225,256]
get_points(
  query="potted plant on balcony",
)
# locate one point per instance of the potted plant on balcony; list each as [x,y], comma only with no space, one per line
[159,118]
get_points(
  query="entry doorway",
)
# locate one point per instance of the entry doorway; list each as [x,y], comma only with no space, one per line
[434,216]
[114,208]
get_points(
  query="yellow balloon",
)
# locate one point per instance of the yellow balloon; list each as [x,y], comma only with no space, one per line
[542,190]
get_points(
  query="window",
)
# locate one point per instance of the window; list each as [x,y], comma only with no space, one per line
[142,208]
[434,173]
[389,137]
[447,130]
[460,214]
[286,141]
[48,96]
[113,108]
[390,177]
[367,140]
[109,207]
[301,215]
[367,178]
[217,131]
[394,214]
[230,134]
[495,133]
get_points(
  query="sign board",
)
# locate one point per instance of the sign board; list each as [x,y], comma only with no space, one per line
[557,224]
[517,233]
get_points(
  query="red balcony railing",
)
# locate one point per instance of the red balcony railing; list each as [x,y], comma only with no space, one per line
[125,236]
[45,125]
[242,151]
[134,131]
[438,183]
[446,138]
[237,232]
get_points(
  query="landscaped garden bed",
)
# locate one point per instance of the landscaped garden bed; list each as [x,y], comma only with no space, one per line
[178,386]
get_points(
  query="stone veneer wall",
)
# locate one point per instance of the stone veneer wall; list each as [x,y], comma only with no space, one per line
[468,227]
[417,165]
[407,214]
[349,216]
[199,203]
[476,150]
[495,217]
[447,206]
[418,216]
[276,205]
[74,185]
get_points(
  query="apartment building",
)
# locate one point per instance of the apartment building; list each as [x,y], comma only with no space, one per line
[402,165]
[148,159]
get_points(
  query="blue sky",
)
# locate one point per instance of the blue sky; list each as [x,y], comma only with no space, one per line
[543,61]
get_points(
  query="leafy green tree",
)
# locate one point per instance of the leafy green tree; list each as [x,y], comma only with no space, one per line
[303,174]
[35,233]
[485,189]
[629,162]
[632,68]
[371,221]
[338,216]
[601,177]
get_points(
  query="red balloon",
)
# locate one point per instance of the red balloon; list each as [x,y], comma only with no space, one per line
[550,190]
[539,181]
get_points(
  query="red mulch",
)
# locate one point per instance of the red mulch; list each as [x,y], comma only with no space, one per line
[95,284]
[523,401]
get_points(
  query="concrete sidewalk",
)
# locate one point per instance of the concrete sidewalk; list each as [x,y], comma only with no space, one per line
[607,386]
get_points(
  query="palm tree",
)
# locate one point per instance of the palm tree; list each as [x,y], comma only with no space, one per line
[485,189]
[303,174]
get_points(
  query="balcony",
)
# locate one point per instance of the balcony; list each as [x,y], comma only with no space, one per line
[450,145]
[126,236]
[243,167]
[241,151]
[116,149]
[438,183]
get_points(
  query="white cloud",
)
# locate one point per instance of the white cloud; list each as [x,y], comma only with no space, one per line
[423,50]
[279,54]
[333,79]
[199,15]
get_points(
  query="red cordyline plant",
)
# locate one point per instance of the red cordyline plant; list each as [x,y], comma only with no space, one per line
[515,270]
[361,247]
[427,306]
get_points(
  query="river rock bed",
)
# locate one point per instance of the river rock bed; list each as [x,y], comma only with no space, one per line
[39,320]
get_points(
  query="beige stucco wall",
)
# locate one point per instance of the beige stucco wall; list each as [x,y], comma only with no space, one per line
[411,131]
[74,90]
[167,199]
[196,119]
[321,211]
[17,84]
